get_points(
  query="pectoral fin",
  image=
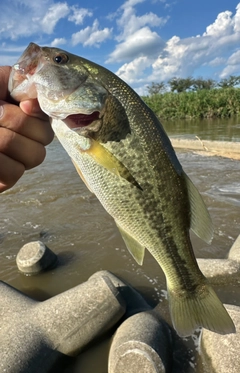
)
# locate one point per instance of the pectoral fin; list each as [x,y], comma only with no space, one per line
[106,159]
[134,247]
[81,175]
[201,222]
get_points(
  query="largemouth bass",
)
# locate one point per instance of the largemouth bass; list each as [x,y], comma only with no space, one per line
[124,156]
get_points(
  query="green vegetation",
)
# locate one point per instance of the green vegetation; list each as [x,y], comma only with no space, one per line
[195,98]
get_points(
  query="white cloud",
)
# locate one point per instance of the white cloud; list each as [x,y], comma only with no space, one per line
[234,59]
[237,19]
[219,46]
[54,14]
[130,72]
[130,3]
[26,17]
[136,38]
[141,42]
[58,41]
[16,21]
[217,61]
[91,35]
[129,22]
[230,70]
[223,25]
[232,65]
[79,14]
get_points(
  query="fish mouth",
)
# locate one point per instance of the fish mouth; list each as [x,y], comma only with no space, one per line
[80,122]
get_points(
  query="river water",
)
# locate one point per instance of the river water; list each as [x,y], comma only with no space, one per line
[50,203]
[227,129]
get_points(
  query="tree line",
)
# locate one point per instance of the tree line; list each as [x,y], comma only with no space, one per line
[191,84]
[203,103]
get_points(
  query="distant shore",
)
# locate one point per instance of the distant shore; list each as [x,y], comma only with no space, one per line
[203,103]
[225,149]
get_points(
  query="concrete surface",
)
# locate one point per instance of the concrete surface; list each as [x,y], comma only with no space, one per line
[34,335]
[134,300]
[228,149]
[35,257]
[222,271]
[221,352]
[142,343]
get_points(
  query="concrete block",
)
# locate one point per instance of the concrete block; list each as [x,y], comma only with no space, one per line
[234,253]
[35,257]
[134,301]
[221,352]
[34,335]
[141,344]
[222,271]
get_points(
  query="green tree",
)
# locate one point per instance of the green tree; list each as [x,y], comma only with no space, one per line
[229,82]
[156,88]
[180,84]
[201,83]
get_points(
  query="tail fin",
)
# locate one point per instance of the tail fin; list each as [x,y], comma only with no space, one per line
[202,308]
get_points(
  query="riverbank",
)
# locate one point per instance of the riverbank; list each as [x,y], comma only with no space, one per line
[225,149]
[213,103]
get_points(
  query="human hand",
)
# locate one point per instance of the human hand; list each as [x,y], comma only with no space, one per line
[24,132]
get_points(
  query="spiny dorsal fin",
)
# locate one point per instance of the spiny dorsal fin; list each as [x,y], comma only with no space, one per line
[201,222]
[134,247]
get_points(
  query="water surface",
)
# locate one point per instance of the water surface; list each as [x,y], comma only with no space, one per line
[220,129]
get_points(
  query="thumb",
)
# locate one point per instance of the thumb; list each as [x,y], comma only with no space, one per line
[32,108]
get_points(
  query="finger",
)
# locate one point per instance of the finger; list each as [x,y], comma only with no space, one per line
[32,108]
[4,76]
[22,149]
[15,119]
[10,172]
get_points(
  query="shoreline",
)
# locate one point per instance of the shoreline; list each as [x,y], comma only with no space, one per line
[225,149]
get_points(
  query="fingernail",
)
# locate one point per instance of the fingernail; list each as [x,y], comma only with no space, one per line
[26,106]
[35,107]
[30,107]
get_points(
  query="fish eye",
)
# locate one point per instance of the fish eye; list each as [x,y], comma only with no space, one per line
[61,58]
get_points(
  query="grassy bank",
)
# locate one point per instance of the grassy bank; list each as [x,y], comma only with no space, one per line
[213,103]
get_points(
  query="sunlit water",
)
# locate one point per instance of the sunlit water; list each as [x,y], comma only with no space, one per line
[51,204]
[221,129]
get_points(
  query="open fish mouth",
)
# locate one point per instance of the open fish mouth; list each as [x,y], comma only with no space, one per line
[81,120]
[84,124]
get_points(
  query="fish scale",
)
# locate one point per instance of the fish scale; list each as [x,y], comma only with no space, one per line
[127,160]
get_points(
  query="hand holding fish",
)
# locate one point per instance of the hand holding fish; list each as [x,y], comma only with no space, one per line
[24,132]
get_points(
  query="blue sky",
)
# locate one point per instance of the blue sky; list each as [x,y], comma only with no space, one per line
[142,41]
